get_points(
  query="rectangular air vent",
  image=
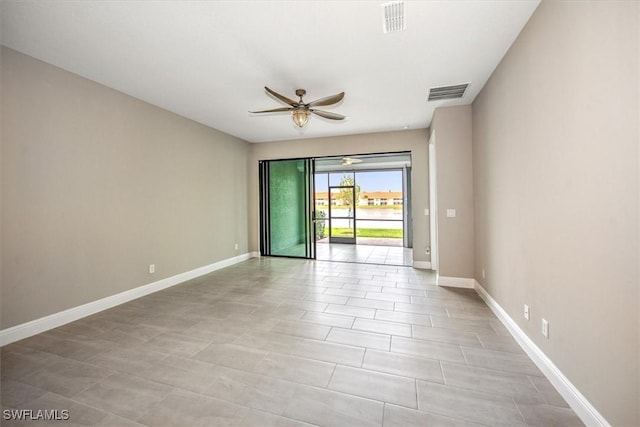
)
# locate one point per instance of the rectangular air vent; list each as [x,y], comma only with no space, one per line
[393,17]
[447,92]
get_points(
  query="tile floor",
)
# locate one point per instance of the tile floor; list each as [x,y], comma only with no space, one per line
[284,342]
[365,253]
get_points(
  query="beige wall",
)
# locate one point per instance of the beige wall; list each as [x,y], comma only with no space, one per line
[1,197]
[555,160]
[451,129]
[97,185]
[414,141]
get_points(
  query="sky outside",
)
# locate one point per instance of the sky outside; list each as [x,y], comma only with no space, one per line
[368,181]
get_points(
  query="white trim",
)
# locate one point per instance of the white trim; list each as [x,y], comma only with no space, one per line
[426,265]
[582,407]
[456,282]
[433,201]
[25,330]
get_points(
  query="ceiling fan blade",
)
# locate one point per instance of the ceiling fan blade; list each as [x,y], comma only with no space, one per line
[333,99]
[328,115]
[275,110]
[282,97]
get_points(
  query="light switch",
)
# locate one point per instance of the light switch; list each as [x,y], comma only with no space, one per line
[451,213]
[426,212]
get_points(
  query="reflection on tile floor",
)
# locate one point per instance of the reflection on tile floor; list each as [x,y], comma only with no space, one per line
[286,342]
[364,254]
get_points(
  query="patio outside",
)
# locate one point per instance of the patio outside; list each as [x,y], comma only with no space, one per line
[370,202]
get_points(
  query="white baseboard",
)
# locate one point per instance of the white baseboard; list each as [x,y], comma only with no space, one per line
[582,407]
[456,282]
[25,330]
[425,265]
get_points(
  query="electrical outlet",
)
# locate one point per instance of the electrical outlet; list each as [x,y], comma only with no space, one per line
[545,328]
[152,268]
[526,311]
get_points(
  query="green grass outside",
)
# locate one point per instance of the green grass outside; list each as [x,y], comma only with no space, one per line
[388,233]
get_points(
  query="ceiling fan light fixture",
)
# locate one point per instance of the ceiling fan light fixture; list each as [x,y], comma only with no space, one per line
[300,116]
[301,111]
[348,161]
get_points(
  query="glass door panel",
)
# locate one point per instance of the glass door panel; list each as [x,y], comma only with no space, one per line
[286,203]
[342,220]
[321,192]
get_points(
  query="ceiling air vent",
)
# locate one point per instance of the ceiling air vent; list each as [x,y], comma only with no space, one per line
[393,17]
[447,92]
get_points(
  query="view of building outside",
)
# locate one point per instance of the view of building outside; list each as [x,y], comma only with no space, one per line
[370,201]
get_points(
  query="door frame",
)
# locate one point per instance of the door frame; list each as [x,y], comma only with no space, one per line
[346,240]
[305,165]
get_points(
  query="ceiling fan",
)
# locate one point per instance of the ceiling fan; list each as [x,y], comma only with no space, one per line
[300,111]
[347,161]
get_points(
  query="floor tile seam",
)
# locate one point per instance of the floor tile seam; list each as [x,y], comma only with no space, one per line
[510,399]
[335,366]
[328,314]
[426,341]
[508,354]
[364,356]
[375,399]
[498,372]
[524,420]
[136,375]
[377,332]
[381,299]
[269,376]
[507,371]
[418,356]
[278,415]
[407,376]
[440,414]
[491,393]
[455,329]
[67,360]
[182,389]
[384,320]
[447,416]
[37,370]
[101,380]
[321,341]
[325,388]
[293,355]
[365,332]
[464,356]
[479,347]
[384,409]
[415,387]
[94,408]
[544,395]
[484,392]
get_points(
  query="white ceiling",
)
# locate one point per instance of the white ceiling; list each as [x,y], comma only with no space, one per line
[209,60]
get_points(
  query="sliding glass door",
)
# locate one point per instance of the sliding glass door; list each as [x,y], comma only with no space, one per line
[342,211]
[286,208]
